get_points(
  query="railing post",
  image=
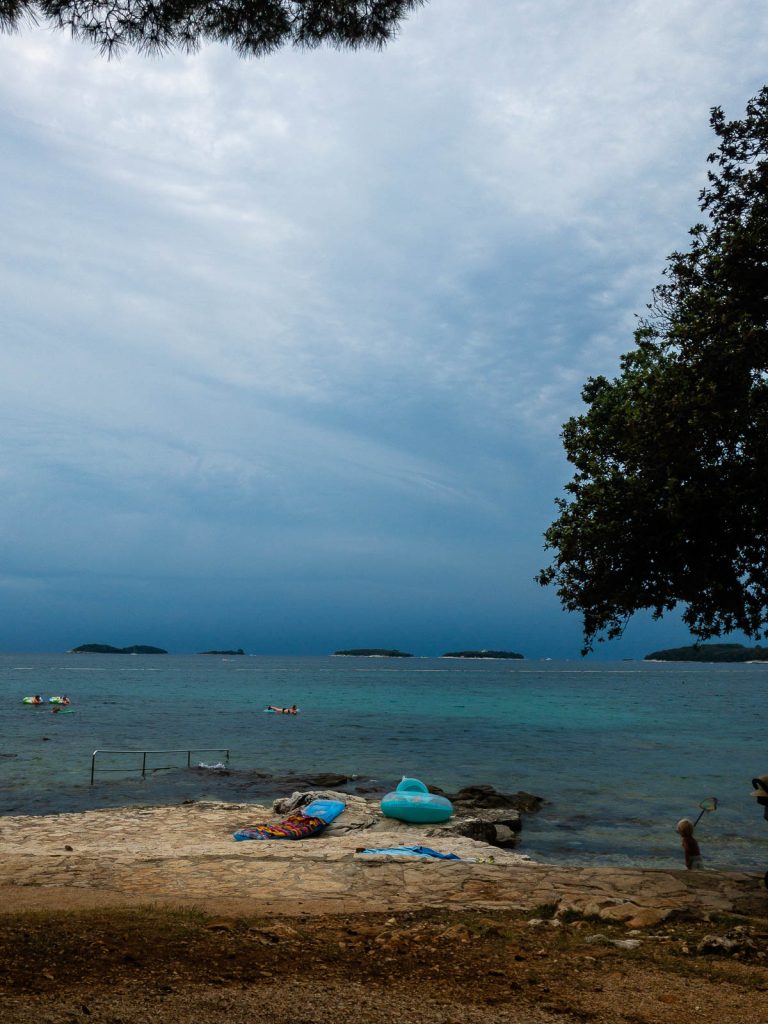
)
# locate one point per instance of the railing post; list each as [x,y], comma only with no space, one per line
[189,759]
[144,765]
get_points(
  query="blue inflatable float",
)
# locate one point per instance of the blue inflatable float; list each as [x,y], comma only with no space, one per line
[413,802]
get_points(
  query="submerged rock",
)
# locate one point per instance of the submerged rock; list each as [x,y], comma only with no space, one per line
[326,779]
[488,797]
[481,795]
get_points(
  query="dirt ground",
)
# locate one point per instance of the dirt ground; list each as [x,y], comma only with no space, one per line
[156,964]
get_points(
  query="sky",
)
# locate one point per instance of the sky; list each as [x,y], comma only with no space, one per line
[287,343]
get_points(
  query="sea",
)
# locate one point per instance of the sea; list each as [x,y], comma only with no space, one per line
[619,751]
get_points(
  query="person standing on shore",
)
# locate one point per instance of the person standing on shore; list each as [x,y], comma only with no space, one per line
[691,850]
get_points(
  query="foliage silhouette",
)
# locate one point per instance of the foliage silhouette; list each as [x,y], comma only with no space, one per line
[669,503]
[253,28]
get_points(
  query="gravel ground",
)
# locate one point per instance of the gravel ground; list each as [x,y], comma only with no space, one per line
[131,966]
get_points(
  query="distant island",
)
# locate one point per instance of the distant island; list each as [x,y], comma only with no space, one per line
[482,654]
[108,649]
[238,651]
[711,652]
[372,652]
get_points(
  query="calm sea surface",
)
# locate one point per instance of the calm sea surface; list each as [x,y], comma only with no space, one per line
[620,750]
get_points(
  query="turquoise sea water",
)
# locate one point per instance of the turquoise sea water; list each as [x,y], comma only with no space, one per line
[620,750]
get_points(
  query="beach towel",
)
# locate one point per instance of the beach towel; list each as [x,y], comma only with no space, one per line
[410,851]
[312,819]
[296,826]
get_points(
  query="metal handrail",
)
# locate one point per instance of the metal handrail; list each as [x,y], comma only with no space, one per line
[159,768]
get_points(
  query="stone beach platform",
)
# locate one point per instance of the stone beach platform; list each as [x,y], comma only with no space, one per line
[185,856]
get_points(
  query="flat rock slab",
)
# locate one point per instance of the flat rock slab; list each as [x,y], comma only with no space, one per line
[185,855]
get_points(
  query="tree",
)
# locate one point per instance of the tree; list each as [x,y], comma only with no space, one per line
[669,503]
[252,27]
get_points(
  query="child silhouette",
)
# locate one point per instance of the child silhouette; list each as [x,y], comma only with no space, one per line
[691,850]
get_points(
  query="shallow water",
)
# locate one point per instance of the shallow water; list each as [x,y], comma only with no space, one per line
[620,750]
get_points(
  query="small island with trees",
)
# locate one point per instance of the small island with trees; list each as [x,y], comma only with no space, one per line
[711,652]
[372,652]
[238,651]
[483,654]
[109,649]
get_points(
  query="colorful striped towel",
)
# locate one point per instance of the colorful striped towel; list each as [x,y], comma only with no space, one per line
[297,826]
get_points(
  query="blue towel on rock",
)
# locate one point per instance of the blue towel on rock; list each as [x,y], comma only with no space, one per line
[412,851]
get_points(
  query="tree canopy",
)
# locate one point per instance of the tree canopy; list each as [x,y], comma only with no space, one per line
[669,502]
[253,28]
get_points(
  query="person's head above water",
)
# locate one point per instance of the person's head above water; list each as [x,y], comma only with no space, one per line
[685,827]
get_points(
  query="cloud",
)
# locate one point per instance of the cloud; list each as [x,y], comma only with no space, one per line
[269,312]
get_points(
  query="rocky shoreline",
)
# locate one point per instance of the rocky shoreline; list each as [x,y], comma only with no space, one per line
[186,855]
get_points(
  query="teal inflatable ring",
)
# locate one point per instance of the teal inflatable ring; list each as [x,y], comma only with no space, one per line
[413,802]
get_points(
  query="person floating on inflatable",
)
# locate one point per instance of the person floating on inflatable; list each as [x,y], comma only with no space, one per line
[292,710]
[37,699]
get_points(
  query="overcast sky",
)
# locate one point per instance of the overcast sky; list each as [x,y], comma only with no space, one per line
[287,344]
